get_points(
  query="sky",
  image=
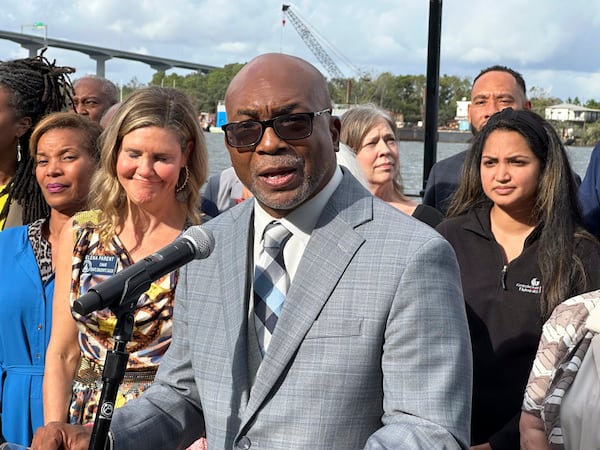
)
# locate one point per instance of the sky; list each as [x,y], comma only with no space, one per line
[553,43]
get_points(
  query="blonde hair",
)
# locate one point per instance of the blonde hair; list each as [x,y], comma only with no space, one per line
[356,124]
[156,106]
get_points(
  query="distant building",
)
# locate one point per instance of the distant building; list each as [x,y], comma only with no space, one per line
[221,114]
[340,108]
[462,114]
[567,112]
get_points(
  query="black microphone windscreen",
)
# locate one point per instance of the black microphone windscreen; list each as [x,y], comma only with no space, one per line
[202,240]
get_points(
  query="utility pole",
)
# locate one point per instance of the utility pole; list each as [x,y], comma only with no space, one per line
[433,88]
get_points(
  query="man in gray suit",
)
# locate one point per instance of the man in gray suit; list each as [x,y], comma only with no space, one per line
[371,347]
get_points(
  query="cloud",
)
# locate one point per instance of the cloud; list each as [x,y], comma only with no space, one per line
[550,41]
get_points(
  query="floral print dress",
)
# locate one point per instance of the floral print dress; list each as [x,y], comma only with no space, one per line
[94,262]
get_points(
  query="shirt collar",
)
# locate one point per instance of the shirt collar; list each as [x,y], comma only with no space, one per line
[302,220]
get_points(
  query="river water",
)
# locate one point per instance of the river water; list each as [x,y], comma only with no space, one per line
[411,159]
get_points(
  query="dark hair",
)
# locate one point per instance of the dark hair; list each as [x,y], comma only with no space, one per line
[35,87]
[498,68]
[556,207]
[87,128]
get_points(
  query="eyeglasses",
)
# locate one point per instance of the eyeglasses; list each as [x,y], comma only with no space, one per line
[289,127]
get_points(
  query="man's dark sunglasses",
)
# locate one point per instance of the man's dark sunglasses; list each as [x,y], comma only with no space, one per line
[248,133]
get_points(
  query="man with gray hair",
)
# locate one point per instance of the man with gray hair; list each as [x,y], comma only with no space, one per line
[93,96]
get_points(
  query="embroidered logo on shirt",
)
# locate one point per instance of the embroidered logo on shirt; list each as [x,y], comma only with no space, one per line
[534,286]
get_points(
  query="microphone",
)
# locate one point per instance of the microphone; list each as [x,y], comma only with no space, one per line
[195,243]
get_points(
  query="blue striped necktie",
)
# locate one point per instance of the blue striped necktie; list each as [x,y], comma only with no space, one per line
[271,283]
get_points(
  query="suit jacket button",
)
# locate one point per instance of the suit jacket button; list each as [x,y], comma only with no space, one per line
[244,443]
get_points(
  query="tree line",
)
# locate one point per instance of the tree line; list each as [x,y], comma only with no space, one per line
[402,95]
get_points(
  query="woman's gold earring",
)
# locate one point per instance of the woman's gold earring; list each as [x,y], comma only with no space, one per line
[185,181]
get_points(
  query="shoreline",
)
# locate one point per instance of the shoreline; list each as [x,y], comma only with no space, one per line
[418,134]
[456,136]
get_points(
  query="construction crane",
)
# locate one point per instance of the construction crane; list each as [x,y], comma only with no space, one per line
[312,43]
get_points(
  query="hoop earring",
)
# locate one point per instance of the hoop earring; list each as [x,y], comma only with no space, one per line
[18,150]
[185,181]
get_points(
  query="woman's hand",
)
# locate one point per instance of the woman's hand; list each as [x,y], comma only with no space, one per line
[62,436]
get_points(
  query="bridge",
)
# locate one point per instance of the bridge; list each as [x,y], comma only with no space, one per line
[100,54]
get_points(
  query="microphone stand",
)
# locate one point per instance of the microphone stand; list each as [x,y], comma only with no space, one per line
[116,360]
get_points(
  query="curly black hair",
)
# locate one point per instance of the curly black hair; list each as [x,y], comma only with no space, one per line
[35,87]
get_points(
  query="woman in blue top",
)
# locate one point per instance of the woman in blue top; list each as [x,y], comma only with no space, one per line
[63,147]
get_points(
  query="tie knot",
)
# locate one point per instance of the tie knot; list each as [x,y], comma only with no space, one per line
[275,235]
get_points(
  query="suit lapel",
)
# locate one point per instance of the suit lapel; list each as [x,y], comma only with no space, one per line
[332,245]
[235,285]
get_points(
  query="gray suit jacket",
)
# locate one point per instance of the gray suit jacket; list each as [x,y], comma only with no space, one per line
[371,349]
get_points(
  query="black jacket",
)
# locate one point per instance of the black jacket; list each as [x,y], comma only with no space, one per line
[503,312]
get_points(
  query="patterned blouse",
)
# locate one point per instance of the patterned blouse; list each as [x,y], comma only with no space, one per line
[565,340]
[94,262]
[41,248]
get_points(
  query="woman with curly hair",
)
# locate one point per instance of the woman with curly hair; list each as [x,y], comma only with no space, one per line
[30,88]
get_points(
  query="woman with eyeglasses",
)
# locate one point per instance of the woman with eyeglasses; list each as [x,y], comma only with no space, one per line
[153,162]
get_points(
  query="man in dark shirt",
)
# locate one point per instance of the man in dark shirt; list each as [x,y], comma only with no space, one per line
[494,89]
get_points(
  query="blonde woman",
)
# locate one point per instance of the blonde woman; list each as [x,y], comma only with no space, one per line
[371,133]
[153,162]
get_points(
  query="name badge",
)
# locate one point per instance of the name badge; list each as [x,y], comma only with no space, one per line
[99,265]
